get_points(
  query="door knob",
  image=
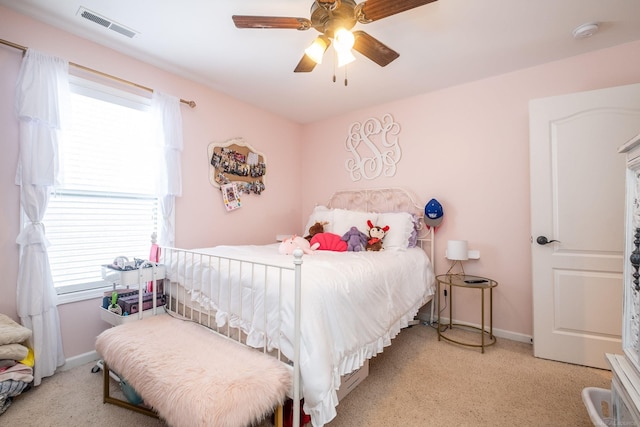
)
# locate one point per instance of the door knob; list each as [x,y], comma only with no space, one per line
[542,240]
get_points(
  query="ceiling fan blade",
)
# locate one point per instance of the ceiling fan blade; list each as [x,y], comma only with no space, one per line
[305,65]
[373,49]
[244,21]
[373,10]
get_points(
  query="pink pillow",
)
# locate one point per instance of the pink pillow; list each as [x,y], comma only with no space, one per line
[329,242]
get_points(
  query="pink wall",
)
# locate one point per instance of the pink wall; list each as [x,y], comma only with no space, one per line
[10,212]
[468,146]
[201,219]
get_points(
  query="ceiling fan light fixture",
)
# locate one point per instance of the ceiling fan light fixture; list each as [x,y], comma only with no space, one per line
[345,57]
[334,19]
[343,40]
[343,43]
[316,50]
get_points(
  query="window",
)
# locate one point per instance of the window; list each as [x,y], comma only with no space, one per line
[106,205]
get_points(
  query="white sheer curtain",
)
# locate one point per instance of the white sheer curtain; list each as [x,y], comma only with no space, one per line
[41,99]
[167,120]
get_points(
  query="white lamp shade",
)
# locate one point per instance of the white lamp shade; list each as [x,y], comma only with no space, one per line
[342,43]
[316,50]
[345,57]
[343,40]
[457,250]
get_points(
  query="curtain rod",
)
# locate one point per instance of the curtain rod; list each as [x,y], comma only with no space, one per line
[191,104]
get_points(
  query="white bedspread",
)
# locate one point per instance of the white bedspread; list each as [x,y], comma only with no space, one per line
[353,304]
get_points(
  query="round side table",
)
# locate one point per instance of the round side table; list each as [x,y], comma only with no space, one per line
[451,281]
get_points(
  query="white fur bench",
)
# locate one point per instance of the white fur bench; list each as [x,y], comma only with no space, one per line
[190,376]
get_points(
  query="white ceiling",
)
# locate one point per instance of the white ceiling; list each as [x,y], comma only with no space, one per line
[441,44]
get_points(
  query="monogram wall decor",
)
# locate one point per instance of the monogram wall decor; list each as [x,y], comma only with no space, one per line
[375,148]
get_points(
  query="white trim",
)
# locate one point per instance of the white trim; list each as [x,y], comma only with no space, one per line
[79,360]
[84,295]
[105,92]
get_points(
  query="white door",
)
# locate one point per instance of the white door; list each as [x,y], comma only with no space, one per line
[577,198]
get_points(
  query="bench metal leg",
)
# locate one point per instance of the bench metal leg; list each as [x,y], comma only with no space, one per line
[107,398]
[279,417]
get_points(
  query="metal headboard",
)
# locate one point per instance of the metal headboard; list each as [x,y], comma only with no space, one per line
[387,200]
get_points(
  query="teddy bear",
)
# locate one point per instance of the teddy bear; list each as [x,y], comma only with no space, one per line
[376,234]
[356,240]
[316,228]
[294,242]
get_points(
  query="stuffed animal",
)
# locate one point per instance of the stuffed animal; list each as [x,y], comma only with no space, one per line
[316,228]
[329,242]
[294,242]
[376,234]
[356,240]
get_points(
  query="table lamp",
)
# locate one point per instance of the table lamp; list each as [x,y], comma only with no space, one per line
[457,251]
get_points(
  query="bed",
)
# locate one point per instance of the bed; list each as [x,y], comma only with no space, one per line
[323,314]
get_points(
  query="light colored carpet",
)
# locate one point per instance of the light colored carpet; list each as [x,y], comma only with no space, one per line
[418,381]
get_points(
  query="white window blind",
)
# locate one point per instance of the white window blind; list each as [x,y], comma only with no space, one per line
[88,230]
[105,206]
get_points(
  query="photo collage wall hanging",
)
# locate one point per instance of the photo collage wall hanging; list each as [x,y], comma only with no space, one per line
[237,169]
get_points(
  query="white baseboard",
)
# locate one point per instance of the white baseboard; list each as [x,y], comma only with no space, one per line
[514,336]
[79,360]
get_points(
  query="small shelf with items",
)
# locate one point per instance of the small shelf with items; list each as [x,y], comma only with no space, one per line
[134,289]
[118,319]
[132,277]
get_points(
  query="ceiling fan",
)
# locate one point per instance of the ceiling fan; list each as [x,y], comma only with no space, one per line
[334,19]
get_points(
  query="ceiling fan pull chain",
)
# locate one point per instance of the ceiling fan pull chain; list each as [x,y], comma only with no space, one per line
[345,75]
[334,66]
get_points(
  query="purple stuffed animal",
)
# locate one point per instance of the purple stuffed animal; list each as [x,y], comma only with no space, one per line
[356,240]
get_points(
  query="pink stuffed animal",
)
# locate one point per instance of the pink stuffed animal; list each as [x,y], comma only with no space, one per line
[294,242]
[328,242]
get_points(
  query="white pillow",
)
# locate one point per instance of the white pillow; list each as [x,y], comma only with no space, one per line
[320,214]
[400,228]
[344,219]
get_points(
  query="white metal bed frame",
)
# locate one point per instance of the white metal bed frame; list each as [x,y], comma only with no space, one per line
[376,200]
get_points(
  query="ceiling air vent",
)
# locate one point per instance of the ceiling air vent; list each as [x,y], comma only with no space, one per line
[107,23]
